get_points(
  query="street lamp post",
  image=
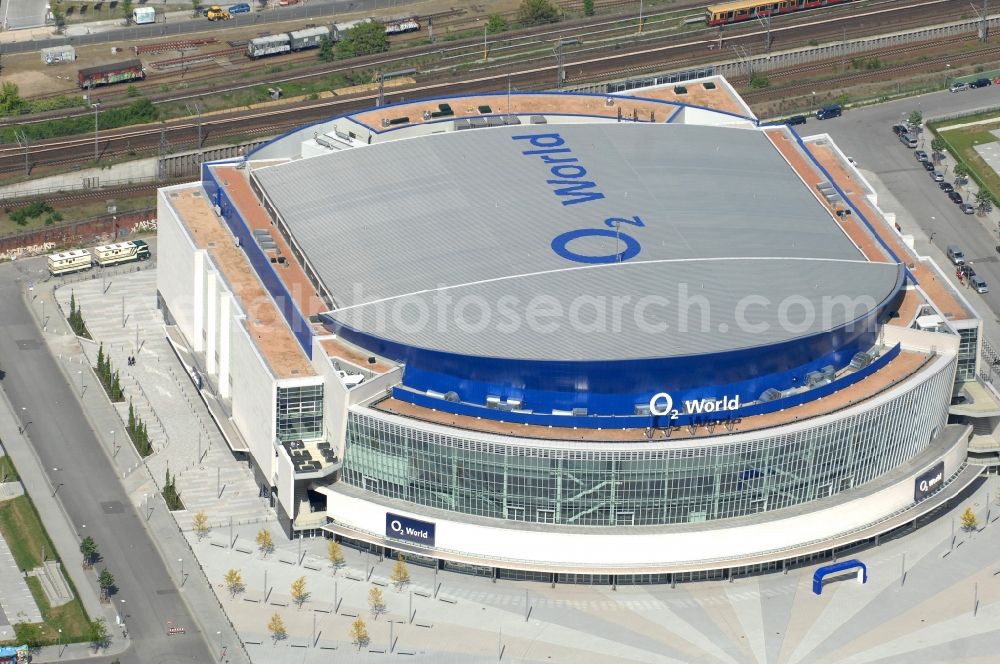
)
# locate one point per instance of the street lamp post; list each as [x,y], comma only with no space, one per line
[181,561]
[114,442]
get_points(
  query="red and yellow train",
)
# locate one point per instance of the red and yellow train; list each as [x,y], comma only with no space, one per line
[745,10]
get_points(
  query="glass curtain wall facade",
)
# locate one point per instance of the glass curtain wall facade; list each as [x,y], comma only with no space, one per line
[300,413]
[968,352]
[675,484]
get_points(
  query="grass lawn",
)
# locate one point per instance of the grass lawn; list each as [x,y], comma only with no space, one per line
[7,470]
[962,144]
[23,532]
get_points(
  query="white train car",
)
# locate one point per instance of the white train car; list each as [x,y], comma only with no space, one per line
[269,45]
[74,260]
[398,27]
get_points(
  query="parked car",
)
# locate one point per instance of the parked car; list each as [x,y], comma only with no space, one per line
[796,120]
[241,8]
[980,83]
[961,181]
[968,208]
[958,87]
[937,176]
[920,155]
[955,197]
[928,166]
[827,112]
[978,284]
[946,187]
[899,129]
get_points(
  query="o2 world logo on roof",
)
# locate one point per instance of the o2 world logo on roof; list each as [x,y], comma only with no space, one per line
[570,185]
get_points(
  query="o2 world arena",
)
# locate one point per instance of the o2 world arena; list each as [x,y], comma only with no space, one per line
[628,336]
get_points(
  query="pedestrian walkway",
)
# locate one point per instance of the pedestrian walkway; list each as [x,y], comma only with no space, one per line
[139,480]
[120,311]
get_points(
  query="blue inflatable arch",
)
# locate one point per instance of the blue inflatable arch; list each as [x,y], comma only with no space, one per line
[838,567]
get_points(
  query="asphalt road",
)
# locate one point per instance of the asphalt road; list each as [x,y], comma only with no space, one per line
[88,486]
[172,28]
[866,134]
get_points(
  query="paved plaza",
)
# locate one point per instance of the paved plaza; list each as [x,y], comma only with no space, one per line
[120,311]
[945,609]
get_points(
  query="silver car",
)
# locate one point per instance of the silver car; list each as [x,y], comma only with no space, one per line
[938,176]
[968,208]
[978,284]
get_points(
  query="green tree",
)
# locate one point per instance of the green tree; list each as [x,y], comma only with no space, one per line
[961,170]
[98,633]
[106,581]
[496,23]
[116,388]
[126,7]
[58,16]
[588,7]
[759,80]
[916,119]
[10,98]
[938,144]
[89,550]
[364,39]
[536,12]
[131,419]
[969,520]
[326,52]
[984,201]
[100,369]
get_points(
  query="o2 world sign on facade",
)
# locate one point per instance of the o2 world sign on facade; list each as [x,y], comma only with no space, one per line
[662,405]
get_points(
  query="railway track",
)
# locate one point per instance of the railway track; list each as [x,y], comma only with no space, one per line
[503,48]
[598,66]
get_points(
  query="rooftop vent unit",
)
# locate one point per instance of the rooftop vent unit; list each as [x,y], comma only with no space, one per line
[452,397]
[579,412]
[641,409]
[770,394]
[492,402]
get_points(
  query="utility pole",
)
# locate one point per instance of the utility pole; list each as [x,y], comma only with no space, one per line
[984,30]
[22,141]
[197,113]
[765,22]
[161,170]
[640,17]
[97,106]
[381,90]
[560,69]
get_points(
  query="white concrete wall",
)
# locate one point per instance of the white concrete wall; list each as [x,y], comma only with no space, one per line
[920,340]
[631,549]
[253,397]
[176,256]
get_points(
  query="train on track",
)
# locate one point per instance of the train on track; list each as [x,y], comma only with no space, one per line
[116,72]
[297,40]
[746,10]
